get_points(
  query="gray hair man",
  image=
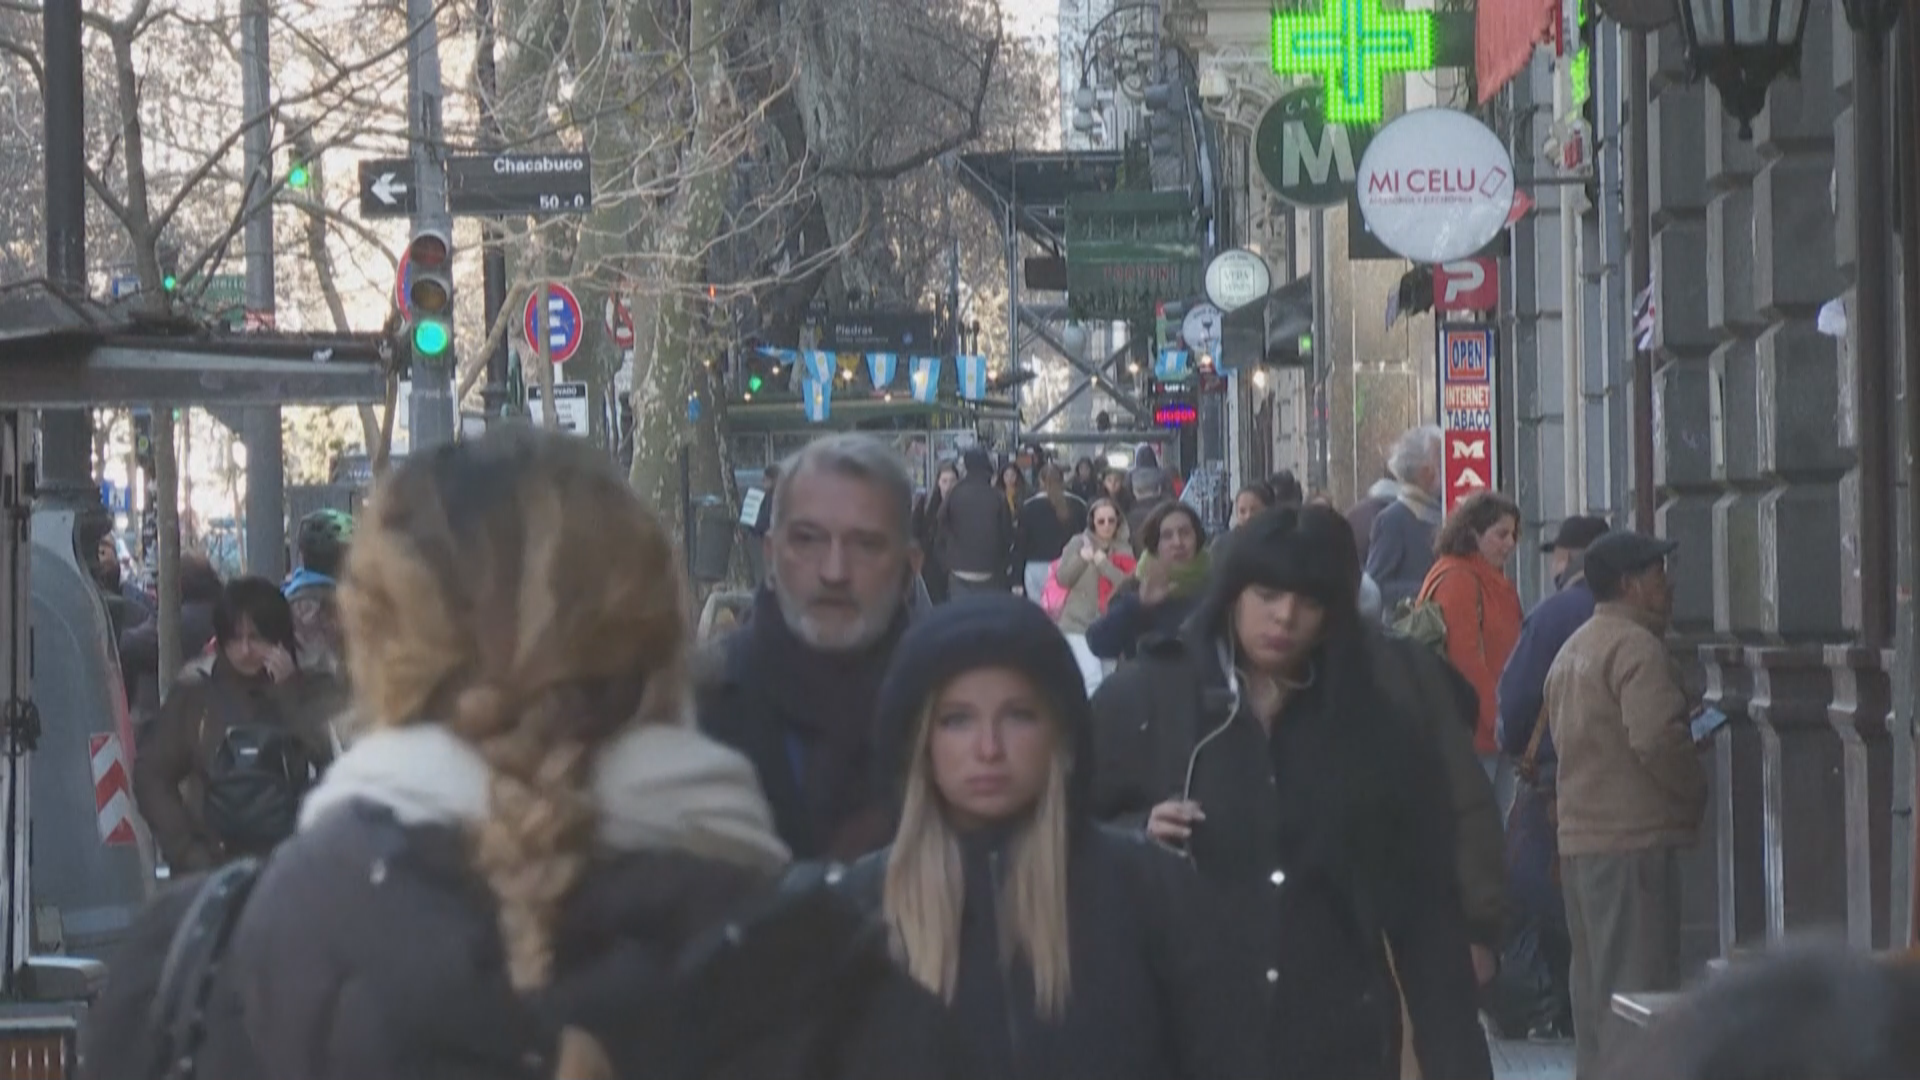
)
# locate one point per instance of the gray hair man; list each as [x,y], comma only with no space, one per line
[794,688]
[1400,547]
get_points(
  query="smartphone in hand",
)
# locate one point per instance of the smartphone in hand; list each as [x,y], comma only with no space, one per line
[1706,722]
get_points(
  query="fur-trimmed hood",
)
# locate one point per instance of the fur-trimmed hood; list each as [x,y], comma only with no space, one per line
[657,786]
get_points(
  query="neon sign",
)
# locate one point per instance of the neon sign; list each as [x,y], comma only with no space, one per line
[1353,45]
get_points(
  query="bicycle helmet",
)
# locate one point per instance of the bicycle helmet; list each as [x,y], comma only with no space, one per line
[323,540]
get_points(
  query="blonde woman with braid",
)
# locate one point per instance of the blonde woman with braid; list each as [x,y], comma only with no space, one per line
[528,864]
[1063,951]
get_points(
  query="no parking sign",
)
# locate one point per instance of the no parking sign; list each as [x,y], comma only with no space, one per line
[564,322]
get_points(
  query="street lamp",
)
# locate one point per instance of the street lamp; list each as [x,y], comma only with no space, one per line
[1741,46]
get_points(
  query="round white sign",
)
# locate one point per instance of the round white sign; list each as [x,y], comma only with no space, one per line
[1435,185]
[1237,278]
[1201,328]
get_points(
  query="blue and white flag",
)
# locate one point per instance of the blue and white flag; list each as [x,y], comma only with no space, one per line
[973,377]
[820,366]
[1173,365]
[816,397]
[783,356]
[880,367]
[925,378]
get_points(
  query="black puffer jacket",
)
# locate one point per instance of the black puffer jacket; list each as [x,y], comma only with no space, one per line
[1148,998]
[1330,841]
[975,527]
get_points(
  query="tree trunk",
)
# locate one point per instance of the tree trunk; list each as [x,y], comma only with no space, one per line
[663,390]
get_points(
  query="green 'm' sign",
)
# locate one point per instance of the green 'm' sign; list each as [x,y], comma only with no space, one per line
[1128,250]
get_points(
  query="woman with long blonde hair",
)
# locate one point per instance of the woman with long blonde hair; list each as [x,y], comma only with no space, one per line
[528,863]
[1062,950]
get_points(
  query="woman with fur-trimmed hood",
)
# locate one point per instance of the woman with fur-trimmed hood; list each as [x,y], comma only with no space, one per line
[530,864]
[1260,743]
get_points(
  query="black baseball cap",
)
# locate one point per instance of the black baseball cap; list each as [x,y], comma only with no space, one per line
[1620,554]
[1577,533]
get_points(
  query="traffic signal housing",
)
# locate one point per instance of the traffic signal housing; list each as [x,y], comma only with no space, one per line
[430,292]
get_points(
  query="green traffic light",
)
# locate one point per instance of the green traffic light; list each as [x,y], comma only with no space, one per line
[754,382]
[1306,344]
[298,177]
[431,337]
[169,283]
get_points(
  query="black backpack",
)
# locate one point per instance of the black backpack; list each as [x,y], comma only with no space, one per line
[254,783]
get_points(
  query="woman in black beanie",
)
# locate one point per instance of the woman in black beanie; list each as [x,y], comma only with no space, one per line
[1062,950]
[1259,743]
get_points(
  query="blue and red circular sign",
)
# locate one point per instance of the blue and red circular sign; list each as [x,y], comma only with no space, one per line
[564,322]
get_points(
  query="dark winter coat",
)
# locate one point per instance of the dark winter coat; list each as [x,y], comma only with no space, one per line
[1148,998]
[1428,688]
[1128,623]
[976,526]
[1332,845]
[181,742]
[804,720]
[1040,534]
[1523,682]
[370,950]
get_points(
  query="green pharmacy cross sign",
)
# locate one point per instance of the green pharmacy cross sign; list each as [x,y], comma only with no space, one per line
[1353,45]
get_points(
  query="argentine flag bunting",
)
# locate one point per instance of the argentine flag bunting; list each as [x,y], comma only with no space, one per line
[880,367]
[817,399]
[820,366]
[1172,365]
[925,377]
[973,377]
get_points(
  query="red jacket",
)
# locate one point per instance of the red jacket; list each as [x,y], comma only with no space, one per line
[1483,616]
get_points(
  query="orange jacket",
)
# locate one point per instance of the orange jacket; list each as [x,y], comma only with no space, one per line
[1482,610]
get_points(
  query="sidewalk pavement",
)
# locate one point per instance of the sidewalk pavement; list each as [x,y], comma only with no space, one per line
[1526,1061]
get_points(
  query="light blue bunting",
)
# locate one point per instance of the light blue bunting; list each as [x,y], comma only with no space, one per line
[926,379]
[973,377]
[820,366]
[1173,365]
[880,367]
[816,397]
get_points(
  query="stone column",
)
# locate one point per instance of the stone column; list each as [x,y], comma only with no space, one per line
[1538,448]
[1862,680]
[1801,462]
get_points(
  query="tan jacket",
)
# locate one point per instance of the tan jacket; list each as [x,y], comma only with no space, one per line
[1081,579]
[1630,778]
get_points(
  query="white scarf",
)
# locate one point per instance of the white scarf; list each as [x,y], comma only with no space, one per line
[657,786]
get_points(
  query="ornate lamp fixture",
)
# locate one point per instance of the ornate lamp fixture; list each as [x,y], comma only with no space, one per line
[1741,46]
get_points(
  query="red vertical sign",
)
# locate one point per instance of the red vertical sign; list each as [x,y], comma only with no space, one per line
[1470,446]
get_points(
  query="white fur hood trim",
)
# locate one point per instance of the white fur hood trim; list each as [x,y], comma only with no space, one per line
[658,786]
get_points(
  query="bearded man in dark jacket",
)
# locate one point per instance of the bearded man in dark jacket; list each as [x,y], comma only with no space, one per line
[1260,743]
[794,689]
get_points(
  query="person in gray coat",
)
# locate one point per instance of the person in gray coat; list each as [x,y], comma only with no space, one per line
[1400,549]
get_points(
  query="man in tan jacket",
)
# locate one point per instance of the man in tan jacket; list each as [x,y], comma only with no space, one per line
[1631,788]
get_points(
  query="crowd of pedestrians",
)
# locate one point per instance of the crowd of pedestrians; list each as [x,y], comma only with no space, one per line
[1023,776]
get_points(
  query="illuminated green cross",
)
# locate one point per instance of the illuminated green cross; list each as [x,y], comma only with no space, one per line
[1353,44]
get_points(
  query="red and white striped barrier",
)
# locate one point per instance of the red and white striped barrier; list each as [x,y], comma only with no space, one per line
[112,790]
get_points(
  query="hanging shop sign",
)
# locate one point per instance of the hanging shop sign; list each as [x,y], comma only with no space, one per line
[1436,185]
[1307,160]
[1469,285]
[1128,250]
[1237,278]
[1354,45]
[1469,413]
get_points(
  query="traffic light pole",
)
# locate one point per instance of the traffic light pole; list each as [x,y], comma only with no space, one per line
[493,256]
[431,422]
[66,435]
[266,549]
